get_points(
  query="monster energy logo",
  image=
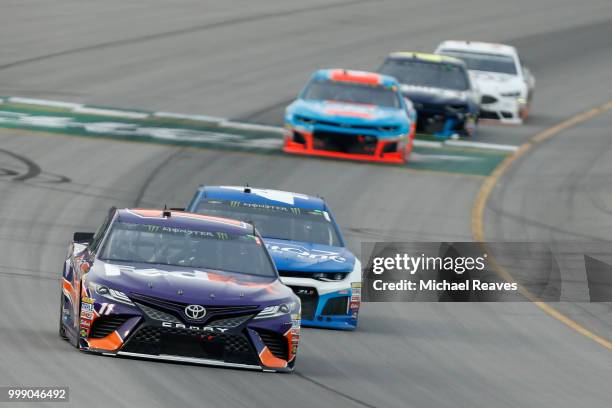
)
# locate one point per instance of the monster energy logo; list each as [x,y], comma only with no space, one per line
[235,203]
[223,235]
[295,210]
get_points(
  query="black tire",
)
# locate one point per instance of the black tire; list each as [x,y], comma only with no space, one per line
[62,329]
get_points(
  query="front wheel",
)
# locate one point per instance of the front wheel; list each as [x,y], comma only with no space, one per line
[62,329]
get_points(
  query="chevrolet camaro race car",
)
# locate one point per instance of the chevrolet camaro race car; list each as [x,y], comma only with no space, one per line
[440,89]
[350,115]
[305,243]
[506,86]
[175,286]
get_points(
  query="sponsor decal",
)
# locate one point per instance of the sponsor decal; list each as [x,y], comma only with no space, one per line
[87,315]
[273,195]
[305,291]
[83,333]
[87,307]
[87,300]
[204,329]
[106,308]
[195,312]
[85,323]
[302,252]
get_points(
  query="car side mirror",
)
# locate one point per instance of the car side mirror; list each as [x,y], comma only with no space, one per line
[83,237]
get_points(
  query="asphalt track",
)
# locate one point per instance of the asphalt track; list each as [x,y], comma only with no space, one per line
[237,60]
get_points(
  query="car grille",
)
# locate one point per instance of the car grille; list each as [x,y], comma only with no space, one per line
[230,322]
[382,128]
[430,107]
[178,308]
[156,314]
[309,299]
[231,348]
[336,306]
[430,122]
[485,114]
[276,343]
[488,99]
[344,142]
[105,325]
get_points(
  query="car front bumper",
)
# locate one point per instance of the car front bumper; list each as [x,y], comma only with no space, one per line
[332,305]
[346,145]
[150,330]
[504,110]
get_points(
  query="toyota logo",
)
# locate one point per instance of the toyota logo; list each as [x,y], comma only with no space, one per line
[195,312]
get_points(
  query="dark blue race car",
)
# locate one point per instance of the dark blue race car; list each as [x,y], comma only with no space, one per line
[440,89]
[306,244]
[177,286]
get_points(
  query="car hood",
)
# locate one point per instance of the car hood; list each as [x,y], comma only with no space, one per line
[309,257]
[189,285]
[353,114]
[423,94]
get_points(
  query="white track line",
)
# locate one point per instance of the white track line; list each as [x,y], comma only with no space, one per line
[111,112]
[251,126]
[44,102]
[199,118]
[427,143]
[481,145]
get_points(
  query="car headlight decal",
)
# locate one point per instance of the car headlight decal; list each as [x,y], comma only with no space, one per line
[110,293]
[278,310]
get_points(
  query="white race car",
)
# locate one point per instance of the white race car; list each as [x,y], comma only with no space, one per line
[506,86]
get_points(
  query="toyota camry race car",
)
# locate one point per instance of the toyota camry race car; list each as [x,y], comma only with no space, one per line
[175,286]
[305,243]
[440,89]
[350,115]
[506,86]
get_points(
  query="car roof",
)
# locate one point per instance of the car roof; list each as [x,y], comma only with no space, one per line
[182,219]
[479,46]
[434,58]
[262,196]
[353,76]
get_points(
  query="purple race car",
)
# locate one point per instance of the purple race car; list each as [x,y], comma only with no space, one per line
[176,286]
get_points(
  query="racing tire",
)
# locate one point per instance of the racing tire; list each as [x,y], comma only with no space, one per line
[62,329]
[78,319]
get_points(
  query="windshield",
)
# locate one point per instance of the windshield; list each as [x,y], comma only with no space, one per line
[478,61]
[427,74]
[280,222]
[326,90]
[167,245]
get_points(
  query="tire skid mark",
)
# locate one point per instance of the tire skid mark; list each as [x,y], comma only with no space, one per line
[334,391]
[33,171]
